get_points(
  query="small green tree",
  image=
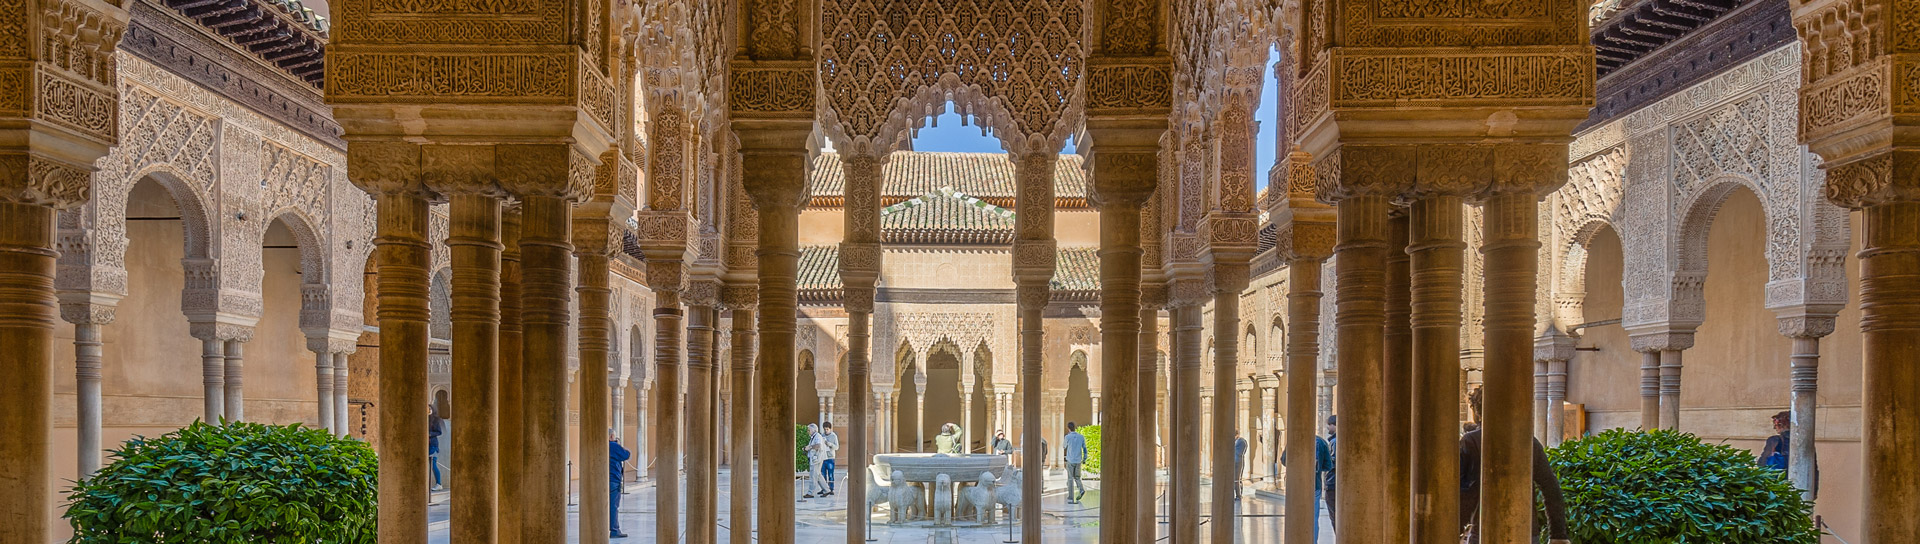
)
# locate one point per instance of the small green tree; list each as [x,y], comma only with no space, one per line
[1092,434]
[800,439]
[1664,487]
[233,483]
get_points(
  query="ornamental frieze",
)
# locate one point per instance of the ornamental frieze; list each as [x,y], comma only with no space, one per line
[504,22]
[1129,86]
[1839,103]
[1554,76]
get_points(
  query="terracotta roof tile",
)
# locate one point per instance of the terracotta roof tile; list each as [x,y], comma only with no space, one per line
[819,269]
[1077,269]
[946,217]
[914,173]
[819,278]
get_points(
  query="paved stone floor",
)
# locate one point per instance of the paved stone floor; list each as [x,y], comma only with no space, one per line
[823,521]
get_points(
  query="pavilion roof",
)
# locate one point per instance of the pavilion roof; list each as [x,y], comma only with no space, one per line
[1077,275]
[909,174]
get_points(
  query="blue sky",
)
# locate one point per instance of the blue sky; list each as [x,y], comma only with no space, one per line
[946,133]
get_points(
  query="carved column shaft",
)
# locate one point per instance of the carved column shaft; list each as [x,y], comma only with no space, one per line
[473,241]
[594,243]
[1506,474]
[1360,265]
[1184,483]
[1670,365]
[86,370]
[1229,279]
[1396,373]
[666,420]
[1120,326]
[741,487]
[1650,389]
[236,371]
[1436,245]
[322,379]
[1540,400]
[1033,303]
[26,329]
[1303,359]
[340,394]
[402,256]
[511,425]
[213,377]
[1805,385]
[860,256]
[775,178]
[702,505]
[1890,324]
[1146,430]
[546,250]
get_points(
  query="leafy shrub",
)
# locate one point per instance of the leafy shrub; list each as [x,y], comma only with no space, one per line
[233,483]
[1669,487]
[800,439]
[1092,433]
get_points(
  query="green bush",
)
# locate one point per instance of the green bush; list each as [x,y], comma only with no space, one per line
[1669,487]
[232,483]
[1092,433]
[800,439]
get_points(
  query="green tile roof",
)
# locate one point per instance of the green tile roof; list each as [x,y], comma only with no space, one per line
[946,216]
[1078,271]
[914,173]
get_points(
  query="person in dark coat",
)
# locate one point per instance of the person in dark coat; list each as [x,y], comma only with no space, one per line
[1543,480]
[1322,465]
[435,427]
[1333,445]
[617,455]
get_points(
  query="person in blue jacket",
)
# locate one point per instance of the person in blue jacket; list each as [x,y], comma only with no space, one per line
[1322,469]
[616,485]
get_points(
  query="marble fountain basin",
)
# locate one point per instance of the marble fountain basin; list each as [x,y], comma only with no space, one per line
[925,467]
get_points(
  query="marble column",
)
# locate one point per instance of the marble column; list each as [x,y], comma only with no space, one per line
[1121,187]
[1184,452]
[322,378]
[87,318]
[1033,296]
[702,504]
[1649,389]
[1890,323]
[1396,374]
[742,299]
[859,382]
[1511,243]
[1436,245]
[774,166]
[26,364]
[340,405]
[667,279]
[1540,400]
[596,238]
[1227,280]
[235,376]
[213,374]
[1554,350]
[920,409]
[510,418]
[1360,265]
[1806,329]
[1670,389]
[473,240]
[546,251]
[1146,431]
[402,255]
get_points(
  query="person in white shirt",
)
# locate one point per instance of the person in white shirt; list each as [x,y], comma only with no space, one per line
[815,450]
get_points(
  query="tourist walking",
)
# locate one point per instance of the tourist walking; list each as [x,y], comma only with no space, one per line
[1239,462]
[435,427]
[1333,458]
[830,442]
[1775,454]
[1543,480]
[616,458]
[1075,456]
[1322,470]
[815,458]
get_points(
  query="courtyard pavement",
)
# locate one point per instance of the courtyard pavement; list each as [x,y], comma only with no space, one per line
[823,520]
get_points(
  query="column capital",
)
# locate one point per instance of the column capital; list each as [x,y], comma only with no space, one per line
[594,230]
[88,307]
[860,263]
[1123,178]
[1227,277]
[1664,340]
[1554,346]
[221,330]
[857,299]
[1153,295]
[386,167]
[1807,326]
[1033,294]
[667,276]
[1188,293]
[1034,259]
[331,344]
[740,296]
[702,292]
[1306,239]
